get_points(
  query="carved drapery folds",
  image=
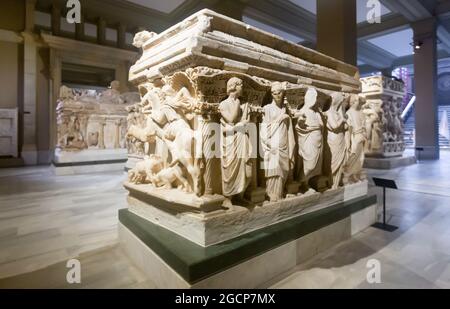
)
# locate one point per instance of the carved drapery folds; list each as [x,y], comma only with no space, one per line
[383,109]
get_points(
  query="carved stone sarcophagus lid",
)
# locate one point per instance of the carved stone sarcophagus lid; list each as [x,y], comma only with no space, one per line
[208,39]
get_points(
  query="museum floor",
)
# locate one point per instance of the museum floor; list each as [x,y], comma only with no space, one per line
[46,220]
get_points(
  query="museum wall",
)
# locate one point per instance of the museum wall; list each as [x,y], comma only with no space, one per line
[12,15]
[9,74]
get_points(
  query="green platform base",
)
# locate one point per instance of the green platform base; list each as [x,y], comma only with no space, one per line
[195,263]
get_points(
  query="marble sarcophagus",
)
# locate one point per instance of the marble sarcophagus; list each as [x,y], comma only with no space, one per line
[243,143]
[383,109]
[240,129]
[92,129]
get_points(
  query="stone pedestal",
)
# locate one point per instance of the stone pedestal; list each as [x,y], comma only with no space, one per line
[171,261]
[389,163]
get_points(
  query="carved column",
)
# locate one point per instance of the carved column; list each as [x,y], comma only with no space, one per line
[101,137]
[210,129]
[83,127]
[255,193]
[117,123]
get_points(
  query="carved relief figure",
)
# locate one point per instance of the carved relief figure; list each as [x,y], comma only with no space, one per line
[145,170]
[73,138]
[278,142]
[170,113]
[171,177]
[336,128]
[65,93]
[356,139]
[173,126]
[236,148]
[397,126]
[93,139]
[374,127]
[309,129]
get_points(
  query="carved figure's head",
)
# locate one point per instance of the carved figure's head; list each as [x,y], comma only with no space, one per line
[310,97]
[278,93]
[235,85]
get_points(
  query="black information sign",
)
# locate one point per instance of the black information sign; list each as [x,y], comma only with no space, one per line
[390,184]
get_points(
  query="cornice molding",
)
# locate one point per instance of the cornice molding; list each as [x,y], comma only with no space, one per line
[10,37]
[69,45]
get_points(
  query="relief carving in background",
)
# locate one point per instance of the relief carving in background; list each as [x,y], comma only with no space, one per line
[383,111]
[87,119]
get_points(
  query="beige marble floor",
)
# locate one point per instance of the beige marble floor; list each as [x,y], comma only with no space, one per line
[46,220]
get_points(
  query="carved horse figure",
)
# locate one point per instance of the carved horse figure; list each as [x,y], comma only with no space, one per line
[170,118]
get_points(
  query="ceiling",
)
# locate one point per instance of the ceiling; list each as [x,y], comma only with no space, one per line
[396,43]
[362,10]
[380,46]
[164,6]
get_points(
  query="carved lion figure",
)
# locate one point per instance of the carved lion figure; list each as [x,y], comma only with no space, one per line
[171,177]
[145,170]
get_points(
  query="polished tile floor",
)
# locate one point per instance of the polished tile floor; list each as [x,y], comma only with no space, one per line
[46,220]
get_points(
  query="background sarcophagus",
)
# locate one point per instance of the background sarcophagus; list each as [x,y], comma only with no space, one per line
[384,124]
[91,128]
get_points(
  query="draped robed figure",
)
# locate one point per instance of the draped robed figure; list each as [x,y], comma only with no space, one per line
[310,136]
[278,144]
[337,126]
[356,140]
[236,147]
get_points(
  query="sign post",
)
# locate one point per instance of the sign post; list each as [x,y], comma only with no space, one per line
[390,184]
